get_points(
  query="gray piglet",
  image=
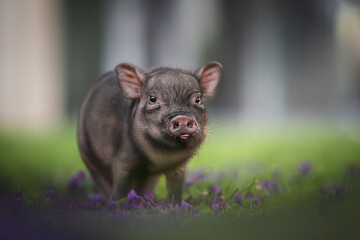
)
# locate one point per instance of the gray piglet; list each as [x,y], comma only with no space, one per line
[136,125]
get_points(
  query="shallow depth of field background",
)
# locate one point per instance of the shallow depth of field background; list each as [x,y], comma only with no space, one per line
[290,91]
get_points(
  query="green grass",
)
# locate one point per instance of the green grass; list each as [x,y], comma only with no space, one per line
[242,157]
[27,160]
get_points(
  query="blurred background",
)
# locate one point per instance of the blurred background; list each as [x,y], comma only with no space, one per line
[287,108]
[290,89]
[284,61]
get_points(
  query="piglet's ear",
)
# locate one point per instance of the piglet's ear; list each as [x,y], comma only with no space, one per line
[209,76]
[130,79]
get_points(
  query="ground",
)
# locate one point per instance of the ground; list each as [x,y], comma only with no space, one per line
[293,182]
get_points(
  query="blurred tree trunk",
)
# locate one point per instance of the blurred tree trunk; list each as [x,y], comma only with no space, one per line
[31,71]
[125,34]
[310,56]
[84,35]
[227,49]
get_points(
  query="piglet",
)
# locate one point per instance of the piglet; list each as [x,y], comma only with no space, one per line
[136,125]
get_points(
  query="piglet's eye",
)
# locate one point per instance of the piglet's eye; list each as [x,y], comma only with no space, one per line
[198,100]
[153,99]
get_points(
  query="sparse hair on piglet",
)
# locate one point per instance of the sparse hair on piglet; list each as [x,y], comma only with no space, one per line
[136,125]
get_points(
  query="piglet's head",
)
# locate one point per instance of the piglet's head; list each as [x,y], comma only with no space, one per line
[169,112]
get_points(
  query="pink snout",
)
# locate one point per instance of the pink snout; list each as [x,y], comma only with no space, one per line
[182,126]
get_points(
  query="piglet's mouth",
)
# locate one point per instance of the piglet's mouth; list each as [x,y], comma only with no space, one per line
[184,136]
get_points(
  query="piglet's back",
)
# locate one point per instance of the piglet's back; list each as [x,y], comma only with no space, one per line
[102,120]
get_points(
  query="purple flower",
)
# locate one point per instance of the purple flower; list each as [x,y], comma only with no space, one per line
[339,191]
[132,195]
[255,201]
[148,201]
[51,193]
[75,180]
[271,186]
[185,206]
[111,205]
[95,199]
[238,198]
[215,207]
[173,208]
[217,204]
[189,183]
[198,176]
[135,201]
[305,168]
[332,191]
[149,197]
[216,189]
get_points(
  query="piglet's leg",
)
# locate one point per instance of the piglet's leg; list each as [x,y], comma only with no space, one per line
[120,186]
[147,185]
[175,180]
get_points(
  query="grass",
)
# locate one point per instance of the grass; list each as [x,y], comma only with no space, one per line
[28,160]
[237,161]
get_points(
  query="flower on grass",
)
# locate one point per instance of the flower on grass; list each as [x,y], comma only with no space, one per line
[216,189]
[95,199]
[185,206]
[111,205]
[215,207]
[271,186]
[51,193]
[136,201]
[188,183]
[196,177]
[238,198]
[305,168]
[149,201]
[183,209]
[149,197]
[332,191]
[255,200]
[217,204]
[75,180]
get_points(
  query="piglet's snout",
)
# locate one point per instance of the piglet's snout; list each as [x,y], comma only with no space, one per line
[182,126]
